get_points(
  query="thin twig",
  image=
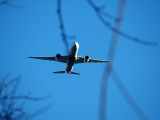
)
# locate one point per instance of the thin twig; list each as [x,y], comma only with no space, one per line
[9,107]
[104,13]
[131,102]
[100,14]
[2,83]
[23,97]
[15,6]
[61,25]
[8,2]
[40,111]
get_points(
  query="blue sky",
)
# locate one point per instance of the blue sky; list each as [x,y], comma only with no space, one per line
[34,31]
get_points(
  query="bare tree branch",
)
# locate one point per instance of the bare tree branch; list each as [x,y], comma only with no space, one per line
[108,68]
[104,13]
[2,83]
[8,2]
[100,14]
[11,82]
[131,102]
[65,37]
[40,111]
[24,97]
[9,108]
[15,6]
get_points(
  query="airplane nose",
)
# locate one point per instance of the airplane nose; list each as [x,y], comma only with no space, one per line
[75,42]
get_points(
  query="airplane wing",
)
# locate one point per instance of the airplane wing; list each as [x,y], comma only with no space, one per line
[81,60]
[62,58]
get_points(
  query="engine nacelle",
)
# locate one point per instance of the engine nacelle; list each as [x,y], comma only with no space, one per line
[86,58]
[58,56]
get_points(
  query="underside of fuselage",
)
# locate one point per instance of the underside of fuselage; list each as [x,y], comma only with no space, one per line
[72,57]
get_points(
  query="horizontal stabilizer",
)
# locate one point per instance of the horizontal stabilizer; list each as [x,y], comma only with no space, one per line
[69,73]
[59,72]
[74,73]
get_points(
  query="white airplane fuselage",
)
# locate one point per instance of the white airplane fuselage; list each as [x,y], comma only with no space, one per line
[72,57]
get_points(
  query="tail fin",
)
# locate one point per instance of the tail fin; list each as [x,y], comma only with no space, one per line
[69,73]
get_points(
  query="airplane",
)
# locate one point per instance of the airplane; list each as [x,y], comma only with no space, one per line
[71,59]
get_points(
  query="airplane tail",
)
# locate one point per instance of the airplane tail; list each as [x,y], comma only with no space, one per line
[69,73]
[74,73]
[59,72]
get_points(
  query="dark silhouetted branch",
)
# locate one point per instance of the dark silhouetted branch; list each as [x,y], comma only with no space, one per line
[11,82]
[100,15]
[26,97]
[135,107]
[40,111]
[104,13]
[9,101]
[65,37]
[2,83]
[8,3]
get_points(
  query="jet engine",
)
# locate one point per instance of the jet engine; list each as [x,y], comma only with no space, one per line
[86,58]
[58,56]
